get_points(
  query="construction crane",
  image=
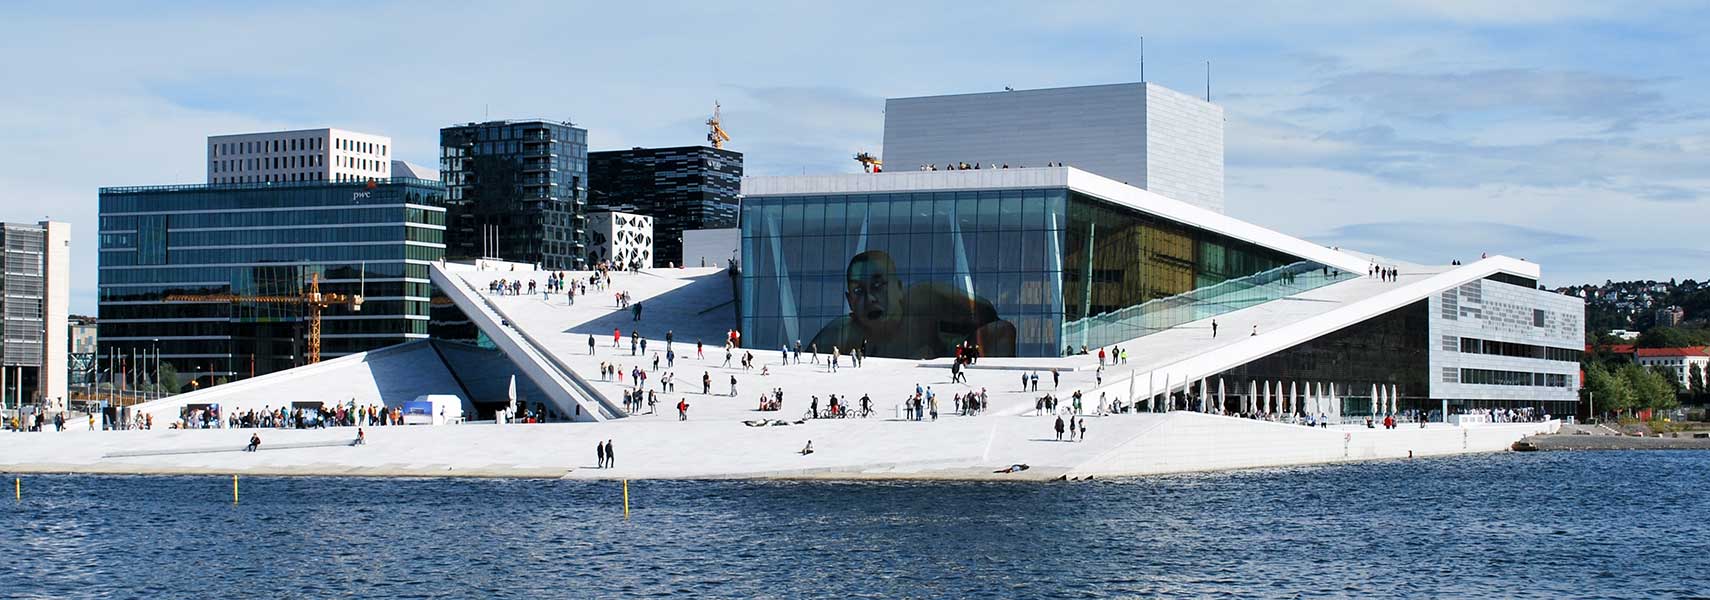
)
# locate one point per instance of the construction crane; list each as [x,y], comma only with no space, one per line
[870,164]
[715,134]
[313,300]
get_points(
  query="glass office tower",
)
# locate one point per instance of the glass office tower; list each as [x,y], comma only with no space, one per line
[1020,272]
[375,239]
[516,190]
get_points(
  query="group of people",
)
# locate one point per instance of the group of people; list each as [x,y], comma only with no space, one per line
[1383,273]
[1030,380]
[834,408]
[975,166]
[1073,424]
[922,403]
[341,415]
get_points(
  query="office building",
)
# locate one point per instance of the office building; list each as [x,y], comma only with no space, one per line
[517,190]
[327,154]
[1044,262]
[265,243]
[690,187]
[34,311]
[1141,134]
[625,240]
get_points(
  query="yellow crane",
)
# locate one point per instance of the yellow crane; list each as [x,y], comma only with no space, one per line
[313,300]
[715,134]
[869,163]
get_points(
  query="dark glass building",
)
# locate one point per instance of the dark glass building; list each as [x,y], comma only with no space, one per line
[691,187]
[264,240]
[516,190]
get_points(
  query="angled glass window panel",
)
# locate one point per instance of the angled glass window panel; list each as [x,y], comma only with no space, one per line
[990,211]
[813,216]
[967,214]
[1011,210]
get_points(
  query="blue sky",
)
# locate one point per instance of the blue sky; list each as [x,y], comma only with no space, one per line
[1569,133]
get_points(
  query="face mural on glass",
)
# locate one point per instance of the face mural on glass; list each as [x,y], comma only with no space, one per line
[912,321]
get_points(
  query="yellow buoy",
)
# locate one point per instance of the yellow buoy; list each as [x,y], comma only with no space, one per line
[626,498]
[18,489]
[234,490]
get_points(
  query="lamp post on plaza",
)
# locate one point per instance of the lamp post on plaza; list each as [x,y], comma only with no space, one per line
[155,347]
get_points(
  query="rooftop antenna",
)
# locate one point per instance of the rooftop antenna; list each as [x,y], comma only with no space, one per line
[1142,59]
[1208,81]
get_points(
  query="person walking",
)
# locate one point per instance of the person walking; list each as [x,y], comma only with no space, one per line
[1214,329]
[590,344]
[683,409]
[600,453]
[611,454]
[617,336]
[706,383]
[1056,379]
[1059,428]
[1083,430]
[733,386]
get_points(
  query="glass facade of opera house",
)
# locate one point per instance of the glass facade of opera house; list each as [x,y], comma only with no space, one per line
[1020,272]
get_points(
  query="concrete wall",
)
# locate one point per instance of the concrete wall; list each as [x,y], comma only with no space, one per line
[1141,134]
[56,303]
[1184,148]
[710,247]
[1187,441]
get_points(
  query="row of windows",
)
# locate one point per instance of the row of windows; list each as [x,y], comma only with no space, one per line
[1496,348]
[182,223]
[278,145]
[197,274]
[190,238]
[1494,377]
[285,178]
[267,162]
[201,198]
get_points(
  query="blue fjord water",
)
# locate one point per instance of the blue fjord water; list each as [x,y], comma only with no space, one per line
[1538,525]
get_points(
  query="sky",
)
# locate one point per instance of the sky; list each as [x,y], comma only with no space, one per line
[1573,134]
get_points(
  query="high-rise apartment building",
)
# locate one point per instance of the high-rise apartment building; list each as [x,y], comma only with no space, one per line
[684,188]
[332,155]
[1141,134]
[516,190]
[35,292]
[203,242]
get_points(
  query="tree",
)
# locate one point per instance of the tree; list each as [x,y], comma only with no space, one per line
[1695,381]
[1650,389]
[1670,337]
[1608,389]
[167,377]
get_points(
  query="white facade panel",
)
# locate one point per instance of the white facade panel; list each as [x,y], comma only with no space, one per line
[1141,134]
[623,239]
[1500,312]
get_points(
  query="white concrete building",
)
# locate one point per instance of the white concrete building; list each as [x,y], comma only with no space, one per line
[35,302]
[300,155]
[1677,361]
[1141,134]
[621,238]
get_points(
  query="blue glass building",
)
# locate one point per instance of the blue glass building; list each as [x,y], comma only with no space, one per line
[517,190]
[264,239]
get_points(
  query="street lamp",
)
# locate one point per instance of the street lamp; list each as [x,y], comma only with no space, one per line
[155,346]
